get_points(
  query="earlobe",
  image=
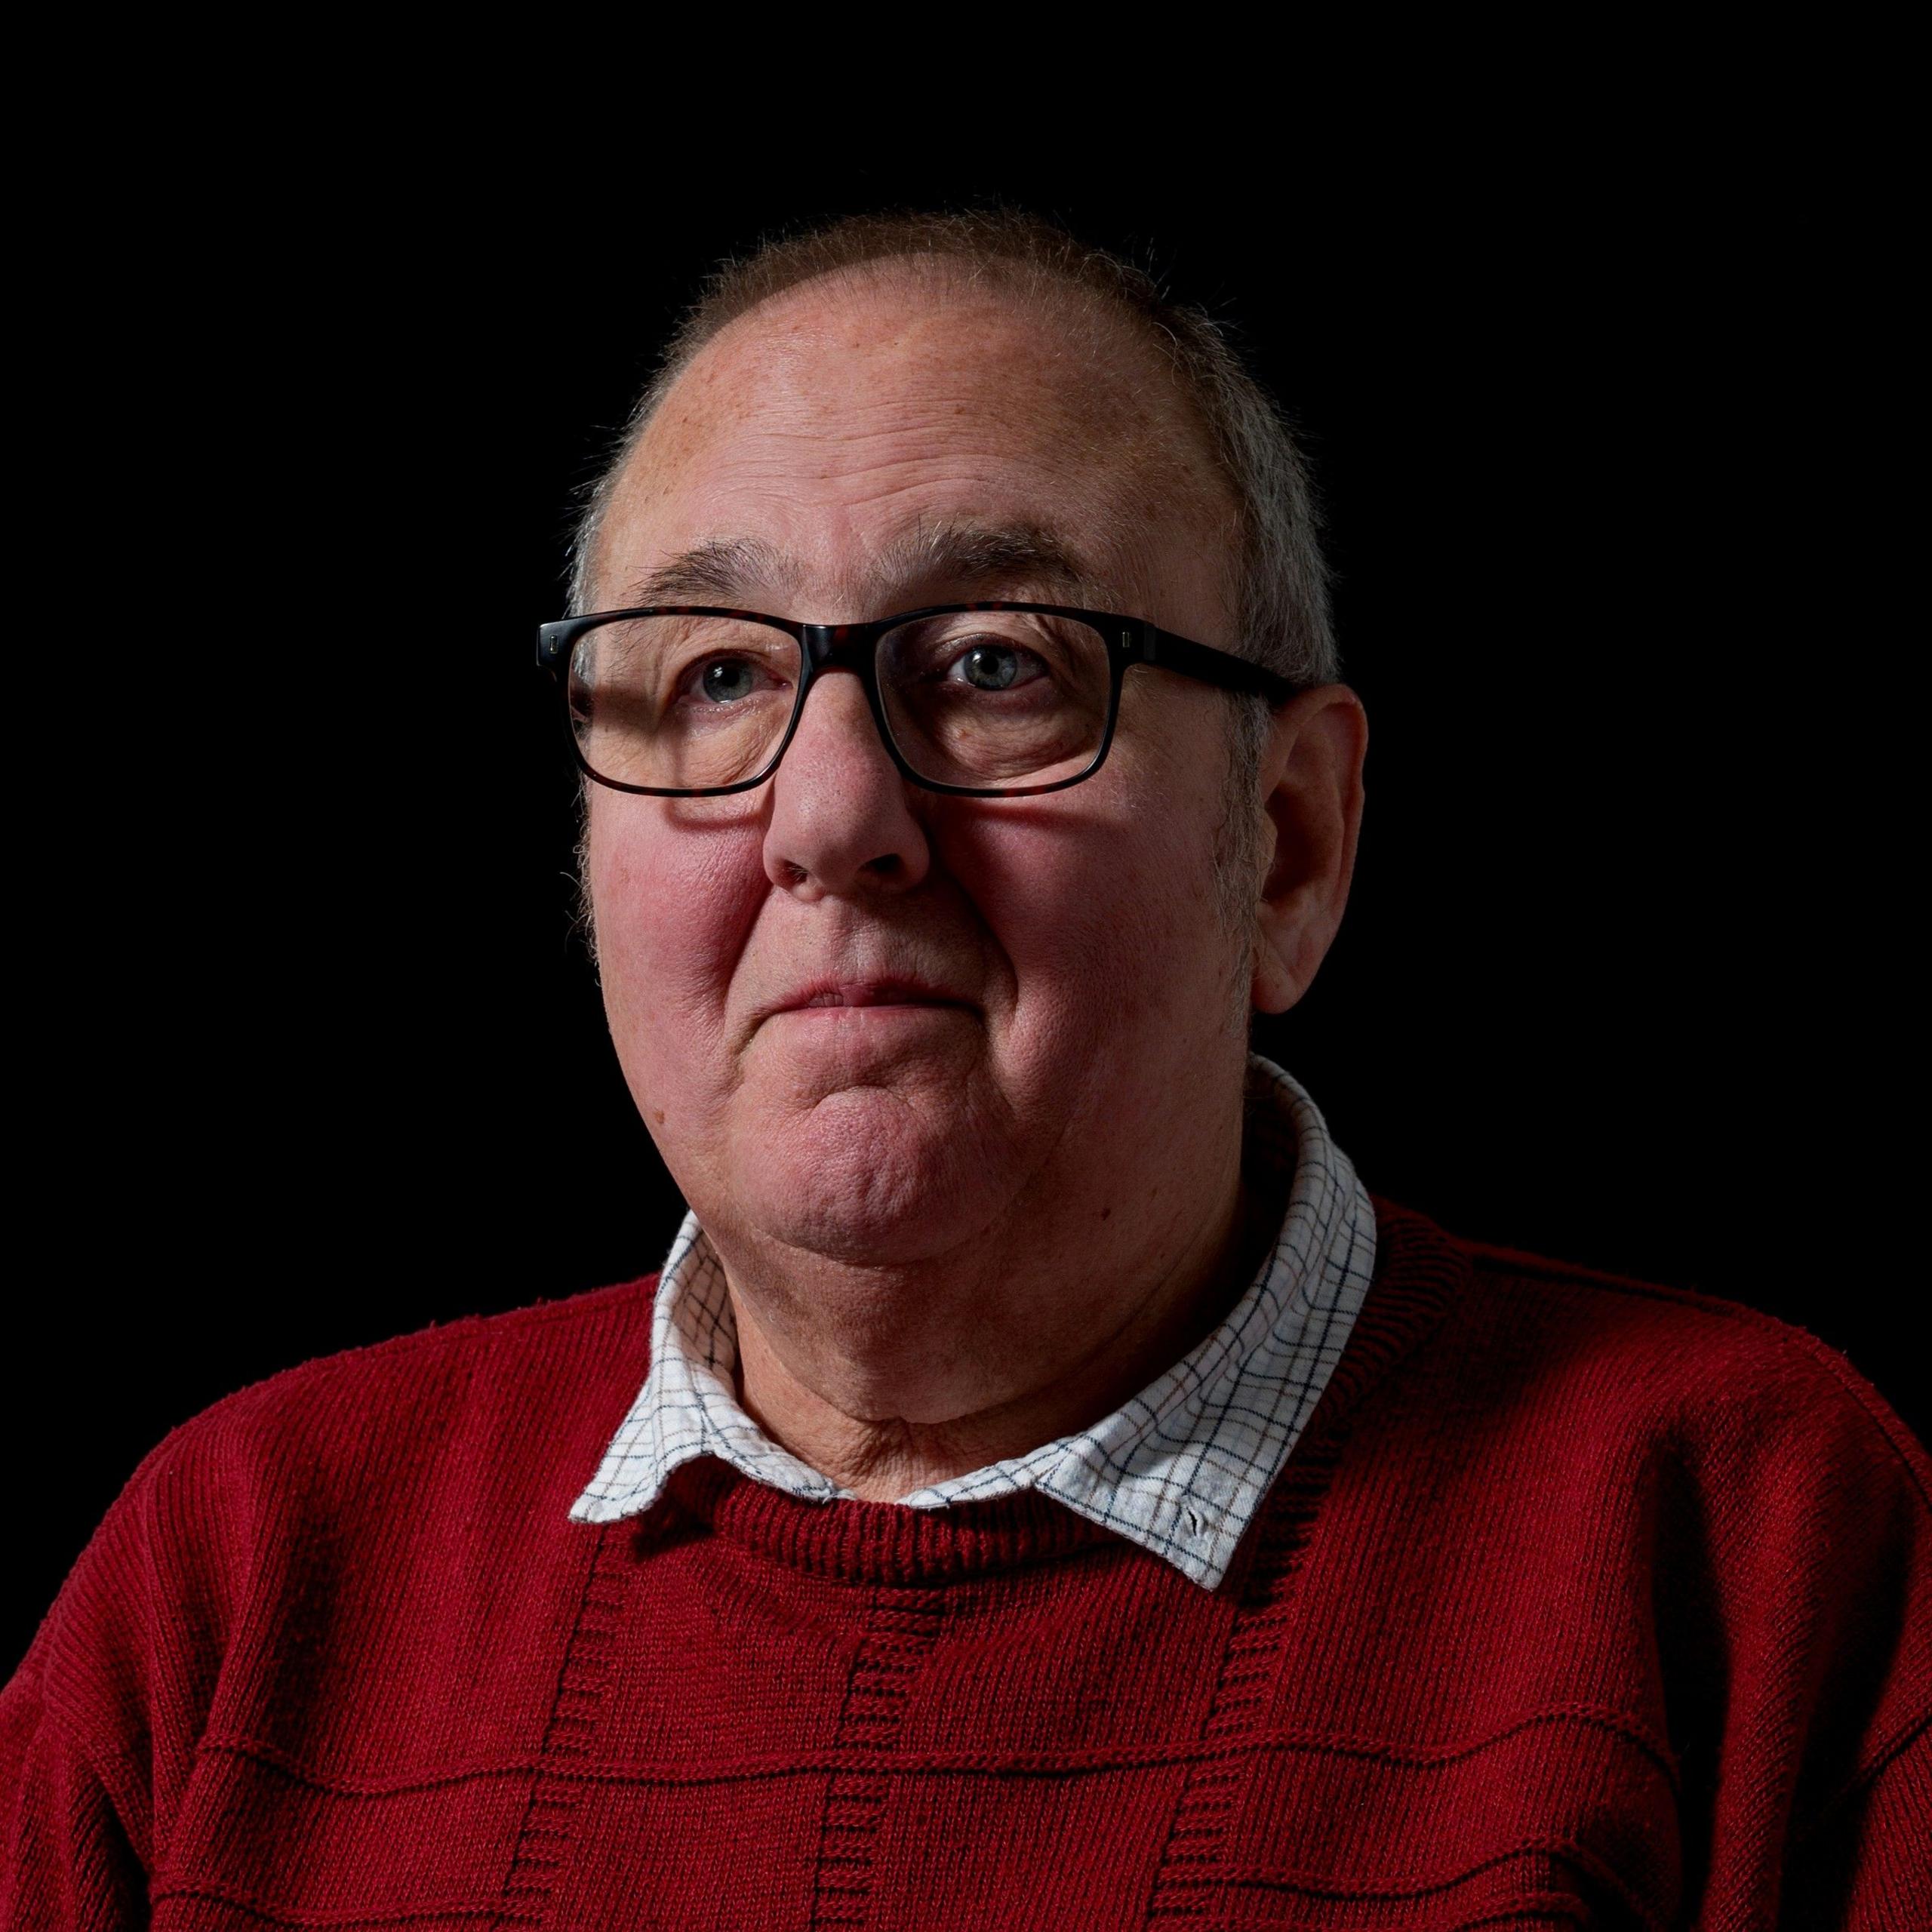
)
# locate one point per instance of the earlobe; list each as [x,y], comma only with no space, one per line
[1311,794]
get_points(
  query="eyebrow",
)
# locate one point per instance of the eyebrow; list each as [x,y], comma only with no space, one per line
[956,554]
[719,568]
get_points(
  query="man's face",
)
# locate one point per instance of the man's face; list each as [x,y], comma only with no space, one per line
[1049,986]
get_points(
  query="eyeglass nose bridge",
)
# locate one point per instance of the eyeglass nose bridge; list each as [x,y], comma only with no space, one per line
[852,646]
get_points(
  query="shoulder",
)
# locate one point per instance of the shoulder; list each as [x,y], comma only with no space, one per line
[490,1419]
[1706,1378]
[546,1374]
[339,1509]
[1779,1507]
[1609,1456]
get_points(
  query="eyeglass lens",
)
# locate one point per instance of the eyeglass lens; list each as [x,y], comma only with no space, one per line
[971,698]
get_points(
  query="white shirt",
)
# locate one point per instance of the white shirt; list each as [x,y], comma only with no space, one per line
[1180,1469]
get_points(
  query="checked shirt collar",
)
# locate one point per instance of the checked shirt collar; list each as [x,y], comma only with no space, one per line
[1181,1468]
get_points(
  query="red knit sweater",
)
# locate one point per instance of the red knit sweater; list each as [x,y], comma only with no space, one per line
[1580,1602]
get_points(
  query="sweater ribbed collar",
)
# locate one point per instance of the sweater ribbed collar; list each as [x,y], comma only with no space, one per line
[1181,1468]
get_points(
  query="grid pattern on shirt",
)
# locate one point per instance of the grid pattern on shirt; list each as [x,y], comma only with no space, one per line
[1181,1468]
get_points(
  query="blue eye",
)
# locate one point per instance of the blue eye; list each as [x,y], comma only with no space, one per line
[994,667]
[726,678]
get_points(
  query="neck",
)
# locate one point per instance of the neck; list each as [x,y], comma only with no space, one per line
[889,1381]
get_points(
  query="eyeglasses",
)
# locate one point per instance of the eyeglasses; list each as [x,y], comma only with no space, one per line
[984,700]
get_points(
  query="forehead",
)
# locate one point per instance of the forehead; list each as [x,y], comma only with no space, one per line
[835,441]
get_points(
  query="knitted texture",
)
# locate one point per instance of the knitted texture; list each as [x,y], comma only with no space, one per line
[1578,1602]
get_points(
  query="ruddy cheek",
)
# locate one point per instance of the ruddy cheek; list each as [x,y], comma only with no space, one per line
[676,910]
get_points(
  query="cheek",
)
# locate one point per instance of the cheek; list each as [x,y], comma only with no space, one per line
[1104,910]
[673,903]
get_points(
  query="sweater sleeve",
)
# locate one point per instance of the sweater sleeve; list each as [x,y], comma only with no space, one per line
[99,1727]
[67,1865]
[1825,1755]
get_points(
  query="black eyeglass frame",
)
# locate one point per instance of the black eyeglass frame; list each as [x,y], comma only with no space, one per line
[1129,640]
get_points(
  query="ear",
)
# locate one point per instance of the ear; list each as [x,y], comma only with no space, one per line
[1311,787]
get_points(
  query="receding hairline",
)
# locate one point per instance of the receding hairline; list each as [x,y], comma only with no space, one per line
[1045,293]
[1279,594]
[1096,321]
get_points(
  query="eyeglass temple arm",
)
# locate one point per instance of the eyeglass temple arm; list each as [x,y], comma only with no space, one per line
[1172,652]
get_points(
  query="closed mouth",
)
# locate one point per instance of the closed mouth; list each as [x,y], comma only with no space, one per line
[873,992]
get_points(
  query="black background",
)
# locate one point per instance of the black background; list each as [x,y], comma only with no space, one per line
[309,1054]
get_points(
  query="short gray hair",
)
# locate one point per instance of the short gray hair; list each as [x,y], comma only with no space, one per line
[1278,588]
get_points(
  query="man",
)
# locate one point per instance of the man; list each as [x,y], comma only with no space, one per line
[1042,1487]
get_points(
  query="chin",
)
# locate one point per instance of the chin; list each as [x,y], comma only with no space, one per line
[870,1175]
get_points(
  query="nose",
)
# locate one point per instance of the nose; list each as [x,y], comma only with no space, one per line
[841,820]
